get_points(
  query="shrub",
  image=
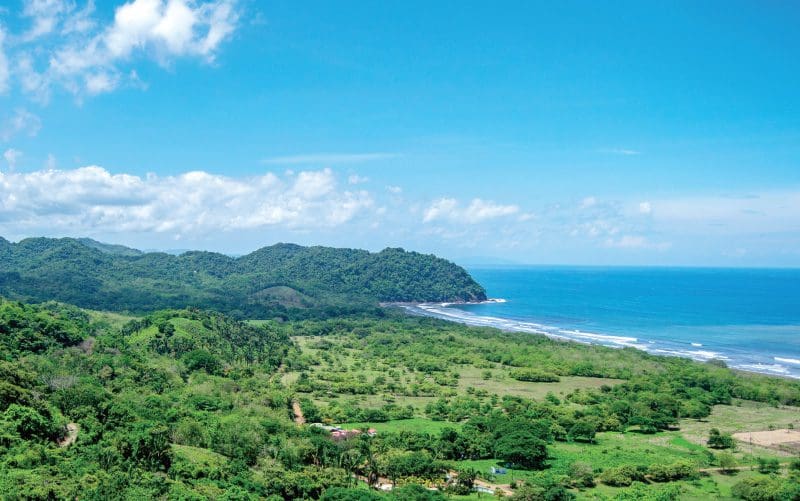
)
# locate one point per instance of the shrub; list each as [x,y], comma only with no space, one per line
[583,430]
[766,489]
[581,475]
[717,440]
[671,472]
[767,466]
[344,494]
[727,462]
[621,476]
[534,376]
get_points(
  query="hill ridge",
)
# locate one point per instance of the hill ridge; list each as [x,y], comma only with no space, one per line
[330,280]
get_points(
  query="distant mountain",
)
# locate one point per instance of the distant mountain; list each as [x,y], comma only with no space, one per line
[281,280]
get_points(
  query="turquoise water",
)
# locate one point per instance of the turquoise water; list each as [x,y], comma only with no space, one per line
[750,318]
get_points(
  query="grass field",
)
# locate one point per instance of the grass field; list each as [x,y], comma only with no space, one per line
[116,320]
[743,416]
[710,486]
[611,449]
[616,449]
[501,384]
[198,456]
[417,425]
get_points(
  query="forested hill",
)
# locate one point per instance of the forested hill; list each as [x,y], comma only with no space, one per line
[280,280]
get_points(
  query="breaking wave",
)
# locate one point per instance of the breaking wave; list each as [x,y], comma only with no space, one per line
[446,311]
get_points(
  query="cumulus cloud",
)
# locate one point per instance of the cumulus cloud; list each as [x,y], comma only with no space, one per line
[92,199]
[172,28]
[67,46]
[478,211]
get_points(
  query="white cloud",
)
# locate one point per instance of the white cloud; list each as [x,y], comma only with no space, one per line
[99,83]
[172,28]
[91,199]
[34,83]
[760,213]
[79,21]
[395,189]
[45,16]
[444,208]
[21,122]
[356,179]
[645,208]
[588,202]
[11,155]
[328,158]
[478,211]
[50,163]
[636,242]
[69,47]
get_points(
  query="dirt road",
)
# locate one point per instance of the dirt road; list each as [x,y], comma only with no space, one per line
[298,413]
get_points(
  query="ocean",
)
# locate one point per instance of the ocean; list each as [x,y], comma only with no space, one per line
[750,318]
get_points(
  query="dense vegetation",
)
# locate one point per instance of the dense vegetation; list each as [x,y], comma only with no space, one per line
[188,404]
[283,280]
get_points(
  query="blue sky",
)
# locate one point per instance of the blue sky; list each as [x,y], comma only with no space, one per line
[561,132]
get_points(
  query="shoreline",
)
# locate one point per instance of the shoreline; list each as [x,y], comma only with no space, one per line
[698,352]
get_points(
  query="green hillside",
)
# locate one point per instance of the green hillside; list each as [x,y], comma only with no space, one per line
[192,405]
[281,280]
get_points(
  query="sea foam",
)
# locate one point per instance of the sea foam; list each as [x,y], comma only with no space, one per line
[447,312]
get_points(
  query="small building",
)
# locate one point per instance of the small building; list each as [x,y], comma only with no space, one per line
[496,470]
[340,434]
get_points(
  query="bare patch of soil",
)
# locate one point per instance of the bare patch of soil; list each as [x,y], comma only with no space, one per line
[784,439]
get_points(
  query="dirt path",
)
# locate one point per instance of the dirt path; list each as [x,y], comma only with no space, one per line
[505,488]
[72,435]
[298,413]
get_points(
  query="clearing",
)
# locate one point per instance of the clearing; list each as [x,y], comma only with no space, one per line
[71,436]
[784,440]
[740,418]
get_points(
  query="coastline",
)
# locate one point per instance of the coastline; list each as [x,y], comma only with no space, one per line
[698,352]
